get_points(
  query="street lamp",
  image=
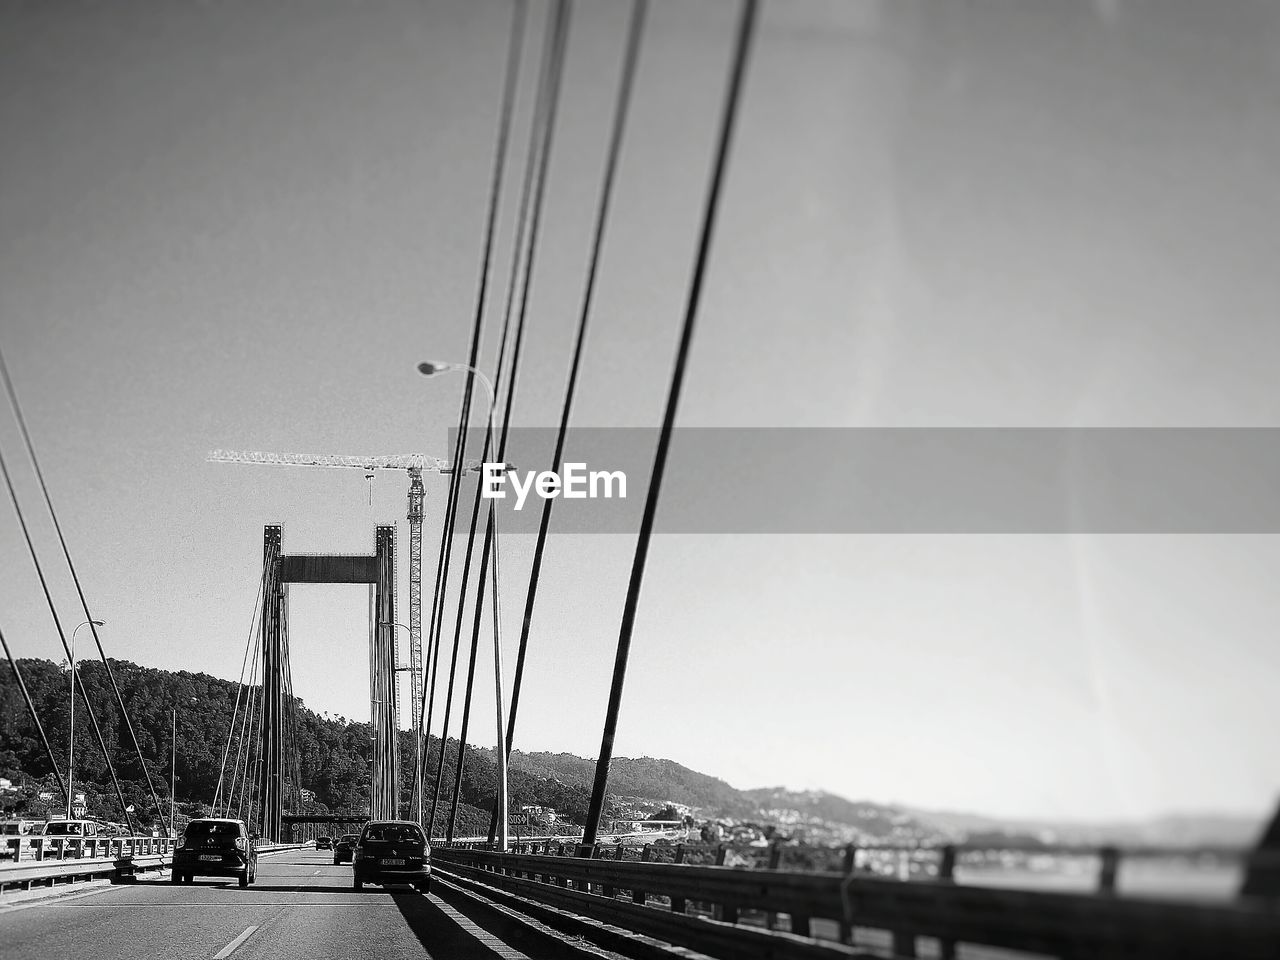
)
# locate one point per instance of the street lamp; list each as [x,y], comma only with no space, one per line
[429,369]
[71,744]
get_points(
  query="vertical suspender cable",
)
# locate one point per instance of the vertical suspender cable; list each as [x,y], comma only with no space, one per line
[732,98]
[249,701]
[235,712]
[540,140]
[75,578]
[57,623]
[634,35]
[35,717]
[514,44]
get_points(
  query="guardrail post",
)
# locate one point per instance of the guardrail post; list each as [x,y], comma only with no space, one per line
[904,944]
[849,864]
[728,913]
[947,874]
[678,904]
[1108,869]
[775,857]
[947,865]
[639,896]
[590,853]
[608,890]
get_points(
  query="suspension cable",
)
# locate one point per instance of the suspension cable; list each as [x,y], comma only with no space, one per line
[235,712]
[540,143]
[245,744]
[435,624]
[75,577]
[76,682]
[732,99]
[621,108]
[31,708]
[553,52]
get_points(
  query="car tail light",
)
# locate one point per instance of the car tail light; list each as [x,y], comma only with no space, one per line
[241,844]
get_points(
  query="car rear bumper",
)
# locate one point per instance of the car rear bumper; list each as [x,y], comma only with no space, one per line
[231,865]
[376,874]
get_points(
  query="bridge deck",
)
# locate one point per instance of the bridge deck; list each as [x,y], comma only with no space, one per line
[301,906]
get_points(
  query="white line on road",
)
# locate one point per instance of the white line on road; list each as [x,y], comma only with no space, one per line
[230,948]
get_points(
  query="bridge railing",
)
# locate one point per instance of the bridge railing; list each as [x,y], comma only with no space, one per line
[48,861]
[728,912]
[23,849]
[961,862]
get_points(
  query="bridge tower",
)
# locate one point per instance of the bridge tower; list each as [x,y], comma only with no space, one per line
[379,572]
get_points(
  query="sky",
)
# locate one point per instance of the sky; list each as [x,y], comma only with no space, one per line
[241,225]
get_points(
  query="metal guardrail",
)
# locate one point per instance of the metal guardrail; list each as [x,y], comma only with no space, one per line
[19,849]
[1054,924]
[904,862]
[280,847]
[48,860]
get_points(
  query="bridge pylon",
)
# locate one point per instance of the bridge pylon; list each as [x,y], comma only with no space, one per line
[280,570]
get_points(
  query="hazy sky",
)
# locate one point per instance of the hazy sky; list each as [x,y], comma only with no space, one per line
[241,224]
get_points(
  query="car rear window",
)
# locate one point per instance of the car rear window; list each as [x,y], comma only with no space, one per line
[208,828]
[394,832]
[64,829]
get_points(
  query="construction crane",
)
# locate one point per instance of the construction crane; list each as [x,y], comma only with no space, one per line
[413,464]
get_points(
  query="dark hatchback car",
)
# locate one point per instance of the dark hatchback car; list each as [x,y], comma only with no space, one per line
[215,848]
[392,851]
[344,850]
[324,843]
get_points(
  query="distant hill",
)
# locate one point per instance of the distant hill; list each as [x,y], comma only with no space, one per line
[333,762]
[643,777]
[1184,829]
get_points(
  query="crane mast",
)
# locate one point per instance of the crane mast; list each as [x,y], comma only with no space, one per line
[414,516]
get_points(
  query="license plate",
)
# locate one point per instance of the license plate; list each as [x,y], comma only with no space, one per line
[214,857]
[392,863]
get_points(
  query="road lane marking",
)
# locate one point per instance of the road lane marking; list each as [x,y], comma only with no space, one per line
[231,947]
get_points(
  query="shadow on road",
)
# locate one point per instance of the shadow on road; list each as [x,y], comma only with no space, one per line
[448,907]
[440,933]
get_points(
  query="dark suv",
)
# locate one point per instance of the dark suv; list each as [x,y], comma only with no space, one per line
[324,843]
[392,851]
[345,848]
[215,848]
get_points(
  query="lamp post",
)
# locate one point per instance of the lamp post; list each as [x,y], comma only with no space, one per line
[429,369]
[71,743]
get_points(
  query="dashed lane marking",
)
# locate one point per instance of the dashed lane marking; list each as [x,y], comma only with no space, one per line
[231,947]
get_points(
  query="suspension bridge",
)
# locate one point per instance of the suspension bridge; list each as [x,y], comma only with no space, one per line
[589,894]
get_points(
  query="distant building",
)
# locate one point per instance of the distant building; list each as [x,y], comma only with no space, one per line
[537,814]
[6,786]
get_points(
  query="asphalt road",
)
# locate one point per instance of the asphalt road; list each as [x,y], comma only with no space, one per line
[301,906]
